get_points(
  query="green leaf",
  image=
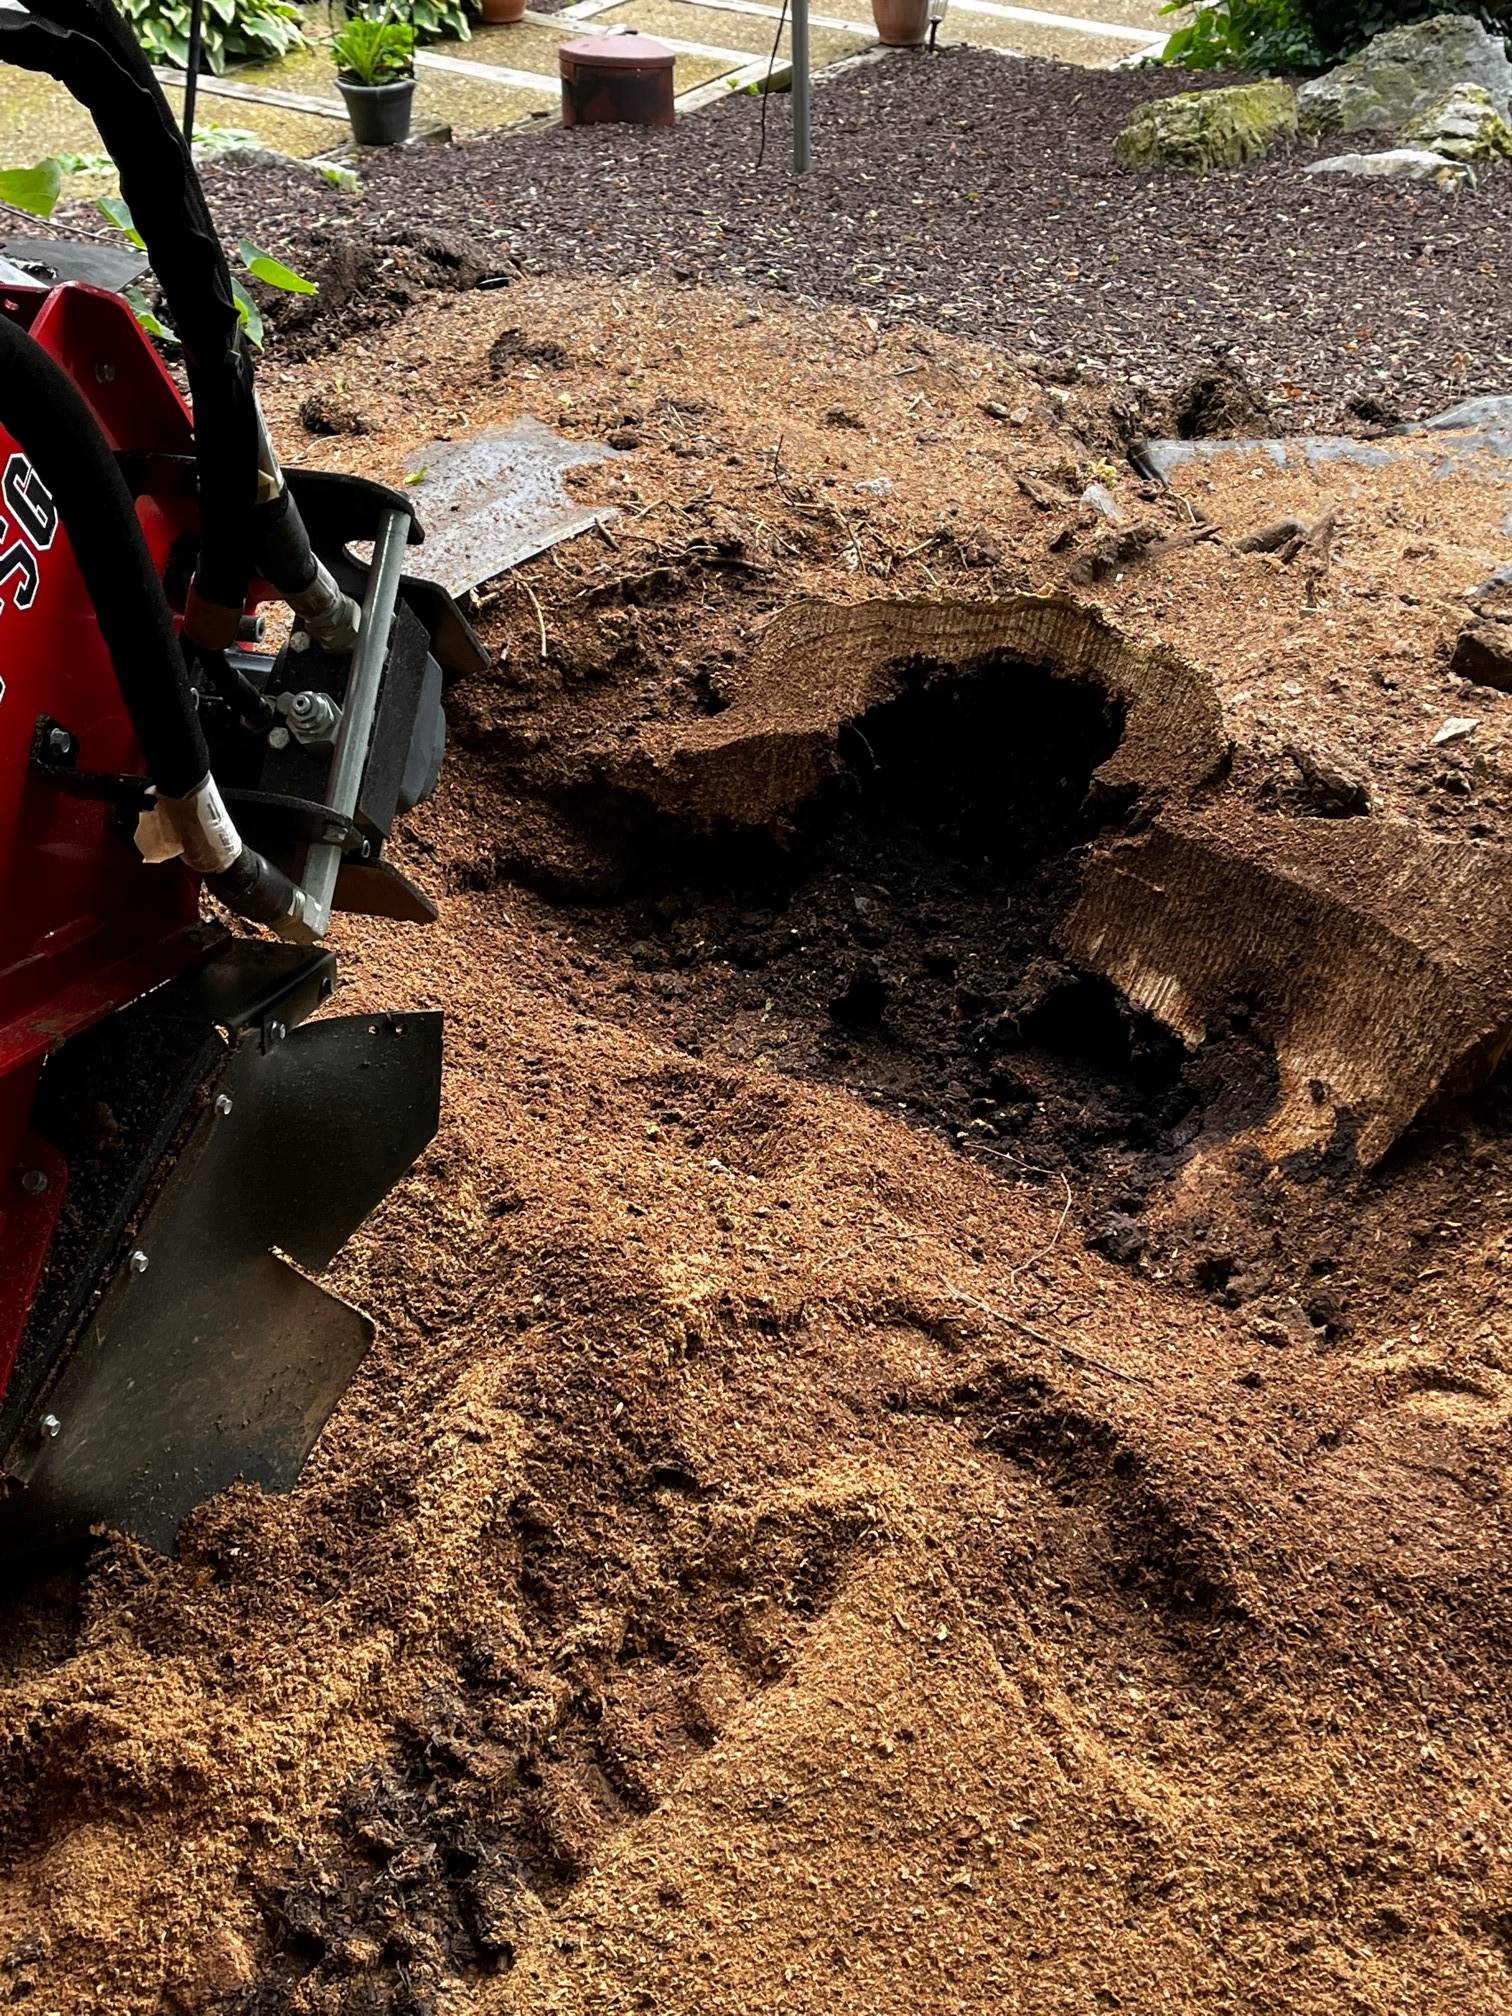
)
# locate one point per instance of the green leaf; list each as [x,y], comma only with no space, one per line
[340,178]
[34,190]
[113,208]
[417,476]
[273,272]
[249,313]
[136,301]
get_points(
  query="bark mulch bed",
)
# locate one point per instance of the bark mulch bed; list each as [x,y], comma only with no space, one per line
[979,193]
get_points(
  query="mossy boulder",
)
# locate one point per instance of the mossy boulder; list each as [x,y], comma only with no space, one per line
[1197,130]
[1464,125]
[1398,75]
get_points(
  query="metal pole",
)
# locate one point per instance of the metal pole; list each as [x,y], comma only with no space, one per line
[800,87]
[191,75]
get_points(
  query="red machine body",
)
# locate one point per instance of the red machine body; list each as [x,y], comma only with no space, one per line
[186,1139]
[84,929]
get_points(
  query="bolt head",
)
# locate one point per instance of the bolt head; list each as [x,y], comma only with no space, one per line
[278,738]
[222,1104]
[51,1426]
[33,1182]
[138,1262]
[60,743]
[300,641]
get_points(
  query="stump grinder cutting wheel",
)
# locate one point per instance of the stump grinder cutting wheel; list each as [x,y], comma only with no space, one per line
[177,1143]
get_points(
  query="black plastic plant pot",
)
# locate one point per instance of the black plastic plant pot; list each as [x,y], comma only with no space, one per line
[380,113]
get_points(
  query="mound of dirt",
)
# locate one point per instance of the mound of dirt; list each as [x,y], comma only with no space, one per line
[365,281]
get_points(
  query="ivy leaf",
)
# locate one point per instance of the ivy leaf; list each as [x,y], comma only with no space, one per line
[136,301]
[113,208]
[273,272]
[34,190]
[250,314]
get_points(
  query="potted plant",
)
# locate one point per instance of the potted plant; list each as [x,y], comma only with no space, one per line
[375,73]
[495,11]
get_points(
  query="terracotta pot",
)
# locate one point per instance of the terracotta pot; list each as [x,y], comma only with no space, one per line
[502,10]
[901,24]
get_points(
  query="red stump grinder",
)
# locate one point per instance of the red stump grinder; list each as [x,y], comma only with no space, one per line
[179,1145]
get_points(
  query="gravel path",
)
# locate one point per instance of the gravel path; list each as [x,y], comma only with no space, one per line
[979,193]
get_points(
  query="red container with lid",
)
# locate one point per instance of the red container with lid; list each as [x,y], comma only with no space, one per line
[616,79]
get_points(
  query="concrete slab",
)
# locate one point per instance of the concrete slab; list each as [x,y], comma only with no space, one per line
[302,134]
[1027,38]
[512,45]
[39,118]
[751,34]
[1034,24]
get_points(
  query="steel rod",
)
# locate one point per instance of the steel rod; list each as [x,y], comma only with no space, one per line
[191,72]
[801,87]
[359,710]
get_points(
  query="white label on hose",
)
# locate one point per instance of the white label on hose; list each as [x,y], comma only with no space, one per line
[211,841]
[197,827]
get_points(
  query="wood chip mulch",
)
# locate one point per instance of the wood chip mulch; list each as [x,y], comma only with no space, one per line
[978,193]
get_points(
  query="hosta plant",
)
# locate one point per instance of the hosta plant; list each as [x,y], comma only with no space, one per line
[232,29]
[432,20]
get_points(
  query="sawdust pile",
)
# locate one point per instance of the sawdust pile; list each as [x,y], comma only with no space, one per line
[877,1485]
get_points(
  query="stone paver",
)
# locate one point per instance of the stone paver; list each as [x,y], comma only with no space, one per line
[38,118]
[749,34]
[466,103]
[1020,38]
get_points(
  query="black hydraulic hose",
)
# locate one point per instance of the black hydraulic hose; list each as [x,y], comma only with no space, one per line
[46,415]
[88,48]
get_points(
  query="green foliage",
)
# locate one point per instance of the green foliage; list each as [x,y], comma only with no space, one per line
[113,208]
[1343,26]
[34,190]
[374,52]
[1301,35]
[211,139]
[1268,35]
[437,19]
[273,272]
[432,20]
[232,28]
[139,305]
[259,264]
[248,313]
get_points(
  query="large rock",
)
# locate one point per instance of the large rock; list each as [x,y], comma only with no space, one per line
[1464,124]
[1400,164]
[1483,655]
[1209,129]
[1397,76]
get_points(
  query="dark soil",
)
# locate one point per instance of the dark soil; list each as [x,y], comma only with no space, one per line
[979,193]
[902,942]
